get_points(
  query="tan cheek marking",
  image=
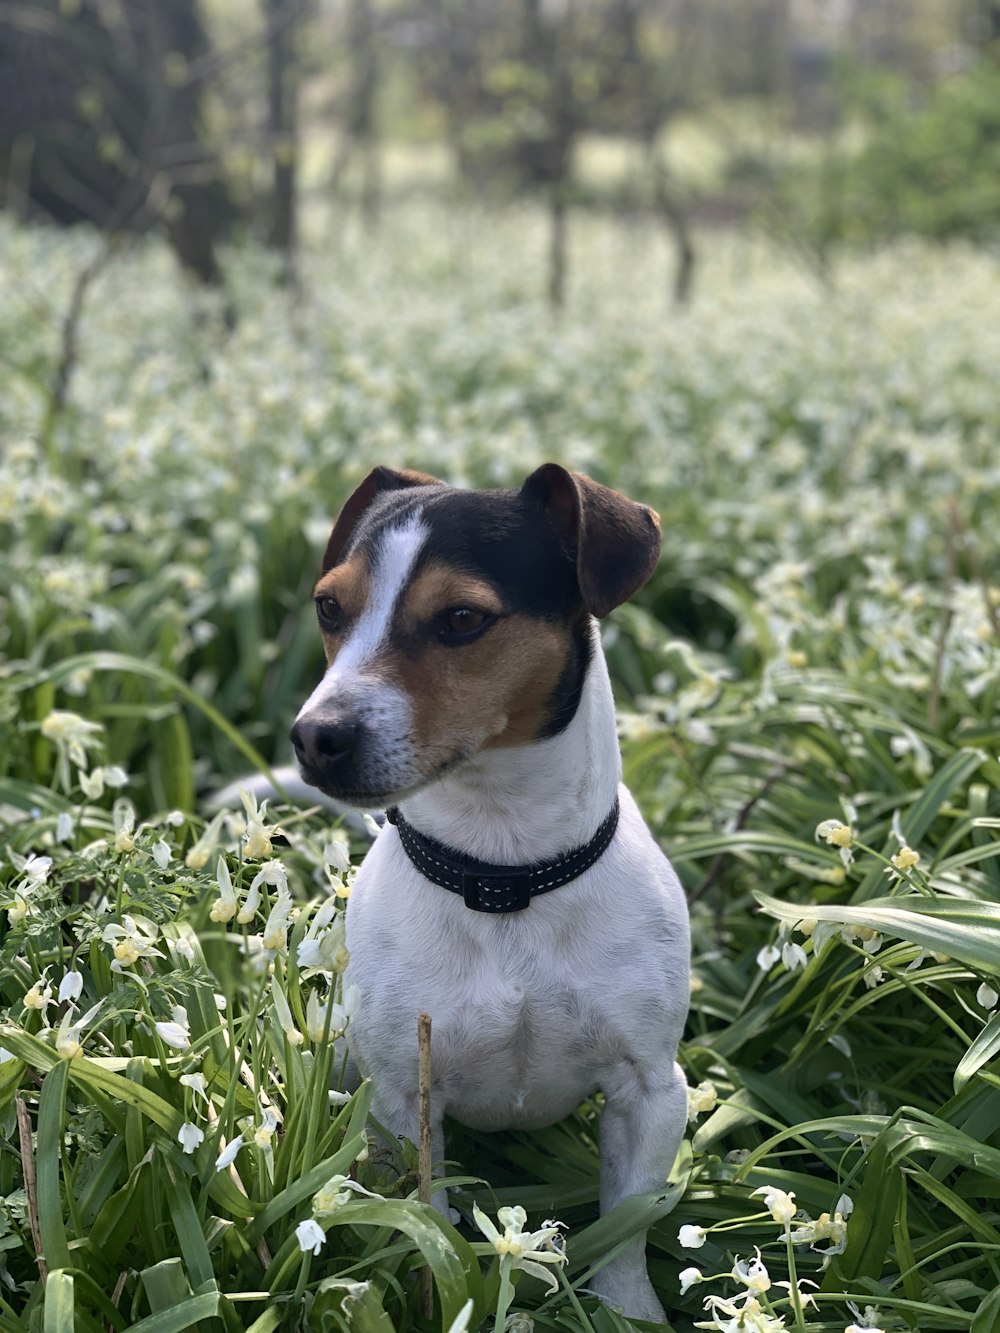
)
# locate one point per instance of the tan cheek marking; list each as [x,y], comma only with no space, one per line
[350,583]
[439,588]
[488,694]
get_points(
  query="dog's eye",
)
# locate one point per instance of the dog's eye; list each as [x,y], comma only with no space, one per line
[328,609]
[462,624]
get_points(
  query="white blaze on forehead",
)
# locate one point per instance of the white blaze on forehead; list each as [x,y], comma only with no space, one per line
[392,562]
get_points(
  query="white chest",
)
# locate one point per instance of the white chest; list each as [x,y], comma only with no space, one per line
[532,1011]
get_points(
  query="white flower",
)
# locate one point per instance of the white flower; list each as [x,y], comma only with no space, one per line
[337,854]
[905,859]
[271,872]
[258,834]
[189,1136]
[72,734]
[68,1043]
[71,986]
[124,820]
[33,869]
[178,1032]
[825,1227]
[793,955]
[39,996]
[275,935]
[702,1099]
[310,1236]
[864,1323]
[264,1132]
[132,940]
[745,1315]
[691,1237]
[197,1083]
[986,996]
[198,855]
[336,1192]
[324,944]
[780,1205]
[284,1014]
[340,1014]
[225,906]
[18,911]
[161,853]
[228,1154]
[184,949]
[767,957]
[64,826]
[688,1278]
[517,1248]
[835,833]
[753,1275]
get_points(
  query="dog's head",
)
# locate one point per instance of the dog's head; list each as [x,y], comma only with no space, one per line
[455,621]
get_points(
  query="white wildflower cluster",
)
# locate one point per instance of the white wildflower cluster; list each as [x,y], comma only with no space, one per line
[758,1306]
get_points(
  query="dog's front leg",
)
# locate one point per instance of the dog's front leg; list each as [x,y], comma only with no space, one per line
[397,1114]
[642,1125]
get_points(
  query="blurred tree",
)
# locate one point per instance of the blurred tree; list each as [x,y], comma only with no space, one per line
[930,170]
[283,23]
[101,120]
[359,123]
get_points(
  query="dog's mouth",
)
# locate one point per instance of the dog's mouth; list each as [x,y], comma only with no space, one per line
[371,798]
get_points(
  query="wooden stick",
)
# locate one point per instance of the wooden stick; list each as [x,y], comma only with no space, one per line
[30,1186]
[424,1160]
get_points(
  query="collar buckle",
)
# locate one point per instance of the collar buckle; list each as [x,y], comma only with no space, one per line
[486,891]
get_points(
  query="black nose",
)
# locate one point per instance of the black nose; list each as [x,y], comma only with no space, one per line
[320,745]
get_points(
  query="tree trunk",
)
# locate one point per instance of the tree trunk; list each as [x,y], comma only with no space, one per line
[557,246]
[282,103]
[676,222]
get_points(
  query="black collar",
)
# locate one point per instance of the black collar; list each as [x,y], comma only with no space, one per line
[493,888]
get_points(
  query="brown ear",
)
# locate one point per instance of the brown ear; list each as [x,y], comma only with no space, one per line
[614,541]
[378,481]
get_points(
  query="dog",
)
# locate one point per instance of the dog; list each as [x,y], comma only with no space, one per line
[516,895]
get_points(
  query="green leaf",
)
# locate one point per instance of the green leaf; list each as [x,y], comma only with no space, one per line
[59,1303]
[357,1303]
[982,1050]
[966,930]
[179,1317]
[123,664]
[48,1157]
[449,1255]
[987,1317]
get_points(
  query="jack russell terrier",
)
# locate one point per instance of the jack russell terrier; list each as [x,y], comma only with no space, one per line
[516,895]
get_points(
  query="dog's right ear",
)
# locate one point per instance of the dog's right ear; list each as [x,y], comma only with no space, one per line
[378,481]
[613,541]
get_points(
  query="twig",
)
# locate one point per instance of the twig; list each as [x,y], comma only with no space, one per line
[424,1161]
[944,623]
[30,1183]
[71,331]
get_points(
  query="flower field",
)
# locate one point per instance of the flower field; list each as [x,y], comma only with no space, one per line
[809,690]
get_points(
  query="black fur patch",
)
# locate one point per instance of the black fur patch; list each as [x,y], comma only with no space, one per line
[501,537]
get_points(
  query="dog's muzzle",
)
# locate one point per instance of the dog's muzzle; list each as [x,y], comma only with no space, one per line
[324,749]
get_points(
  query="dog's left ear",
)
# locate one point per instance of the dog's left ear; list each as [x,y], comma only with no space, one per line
[378,481]
[614,541]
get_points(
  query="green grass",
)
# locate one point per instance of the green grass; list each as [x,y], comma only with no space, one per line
[818,643]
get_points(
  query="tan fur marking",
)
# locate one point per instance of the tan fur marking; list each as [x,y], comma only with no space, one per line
[350,584]
[440,588]
[487,694]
